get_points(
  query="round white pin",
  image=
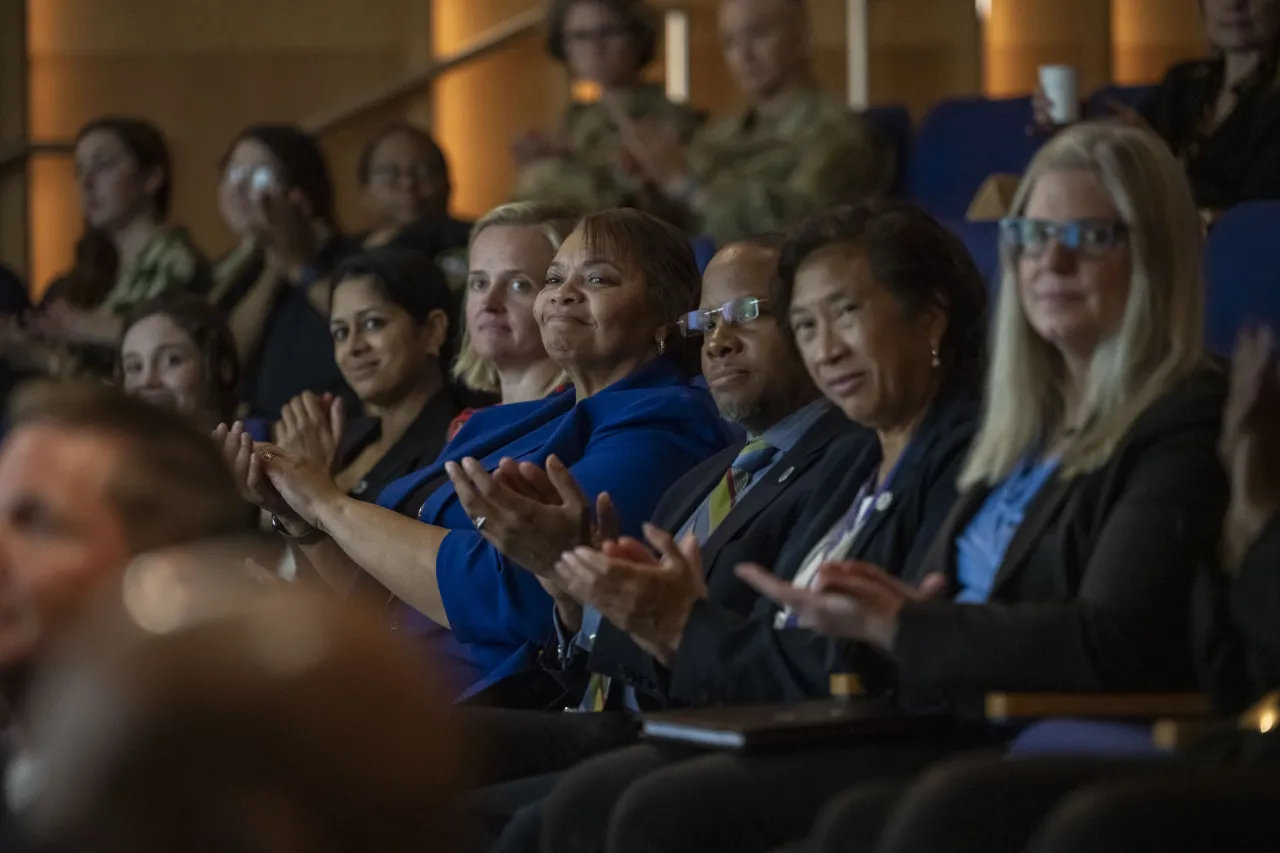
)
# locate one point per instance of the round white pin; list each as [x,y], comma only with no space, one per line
[884,501]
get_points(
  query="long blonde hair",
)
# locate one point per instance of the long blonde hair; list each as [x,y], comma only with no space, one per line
[1160,339]
[556,222]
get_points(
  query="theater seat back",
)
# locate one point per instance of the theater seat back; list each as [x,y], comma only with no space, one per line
[1242,271]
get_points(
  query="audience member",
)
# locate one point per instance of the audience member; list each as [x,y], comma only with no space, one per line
[278,723]
[1221,115]
[406,184]
[276,196]
[632,425]
[126,255]
[792,151]
[607,43]
[740,504]
[501,351]
[88,478]
[390,322]
[177,353]
[1090,498]
[888,312]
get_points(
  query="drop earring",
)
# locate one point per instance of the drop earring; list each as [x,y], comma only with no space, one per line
[662,346]
[936,362]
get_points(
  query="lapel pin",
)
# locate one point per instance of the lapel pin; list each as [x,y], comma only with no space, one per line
[785,474]
[884,501]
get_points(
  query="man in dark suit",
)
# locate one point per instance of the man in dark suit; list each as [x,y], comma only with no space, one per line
[738,506]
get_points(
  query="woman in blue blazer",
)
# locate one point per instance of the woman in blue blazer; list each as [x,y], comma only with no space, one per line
[631,426]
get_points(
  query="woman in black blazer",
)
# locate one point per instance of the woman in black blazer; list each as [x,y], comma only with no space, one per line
[1090,497]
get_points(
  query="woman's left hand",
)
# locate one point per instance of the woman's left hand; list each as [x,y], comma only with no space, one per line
[532,529]
[304,483]
[852,600]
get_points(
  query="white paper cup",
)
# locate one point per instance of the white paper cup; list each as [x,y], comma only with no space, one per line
[1059,85]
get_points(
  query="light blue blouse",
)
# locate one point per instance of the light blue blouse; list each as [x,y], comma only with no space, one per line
[980,549]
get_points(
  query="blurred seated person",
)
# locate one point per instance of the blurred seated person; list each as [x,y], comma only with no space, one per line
[1090,499]
[406,183]
[631,426]
[737,505]
[501,353]
[127,253]
[276,197]
[390,324]
[607,43]
[887,313]
[1221,115]
[88,479]
[277,722]
[177,353]
[792,151]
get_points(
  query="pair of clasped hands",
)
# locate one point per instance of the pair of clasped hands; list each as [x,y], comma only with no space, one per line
[649,589]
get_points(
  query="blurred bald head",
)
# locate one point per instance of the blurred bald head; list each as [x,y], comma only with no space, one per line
[273,722]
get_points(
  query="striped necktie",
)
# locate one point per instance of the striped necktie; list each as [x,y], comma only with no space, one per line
[756,455]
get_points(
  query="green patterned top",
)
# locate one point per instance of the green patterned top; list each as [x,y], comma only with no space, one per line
[169,262]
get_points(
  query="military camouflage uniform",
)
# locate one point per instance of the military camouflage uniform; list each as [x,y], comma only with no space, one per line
[756,175]
[589,175]
[169,262]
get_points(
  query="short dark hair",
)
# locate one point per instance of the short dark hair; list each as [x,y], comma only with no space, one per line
[146,144]
[637,15]
[664,256]
[916,259]
[173,485]
[404,277]
[435,154]
[305,165]
[208,330]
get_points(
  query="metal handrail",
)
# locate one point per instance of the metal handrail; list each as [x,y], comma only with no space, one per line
[492,39]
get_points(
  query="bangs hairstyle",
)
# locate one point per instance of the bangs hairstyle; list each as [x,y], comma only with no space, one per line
[637,16]
[207,328]
[553,221]
[1160,339]
[664,256]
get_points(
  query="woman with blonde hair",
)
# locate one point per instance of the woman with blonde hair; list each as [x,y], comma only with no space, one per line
[501,352]
[1090,498]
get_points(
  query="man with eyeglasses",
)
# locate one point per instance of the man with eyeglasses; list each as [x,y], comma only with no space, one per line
[736,507]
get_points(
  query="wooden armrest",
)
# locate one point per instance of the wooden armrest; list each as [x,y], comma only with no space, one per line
[1262,717]
[1003,707]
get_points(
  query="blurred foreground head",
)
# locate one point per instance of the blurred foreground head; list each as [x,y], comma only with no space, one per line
[197,717]
[88,479]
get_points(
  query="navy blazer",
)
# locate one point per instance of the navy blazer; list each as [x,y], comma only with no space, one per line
[632,440]
[732,659]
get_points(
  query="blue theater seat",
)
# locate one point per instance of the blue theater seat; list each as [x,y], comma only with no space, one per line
[959,144]
[704,249]
[982,239]
[1242,271]
[895,121]
[1131,96]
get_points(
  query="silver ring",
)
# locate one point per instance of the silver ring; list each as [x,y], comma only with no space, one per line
[479,521]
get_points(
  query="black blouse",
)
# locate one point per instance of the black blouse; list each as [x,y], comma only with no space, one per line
[416,449]
[1240,160]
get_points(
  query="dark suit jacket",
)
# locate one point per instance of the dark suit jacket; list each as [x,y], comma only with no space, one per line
[726,657]
[755,530]
[1237,626]
[1093,593]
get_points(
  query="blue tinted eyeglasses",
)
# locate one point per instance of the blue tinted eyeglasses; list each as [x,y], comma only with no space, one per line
[735,311]
[1088,236]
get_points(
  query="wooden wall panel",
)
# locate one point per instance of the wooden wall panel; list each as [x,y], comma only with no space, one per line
[13,129]
[923,50]
[1022,35]
[1147,36]
[203,70]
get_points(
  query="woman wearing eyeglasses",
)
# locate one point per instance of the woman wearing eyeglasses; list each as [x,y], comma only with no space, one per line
[1090,498]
